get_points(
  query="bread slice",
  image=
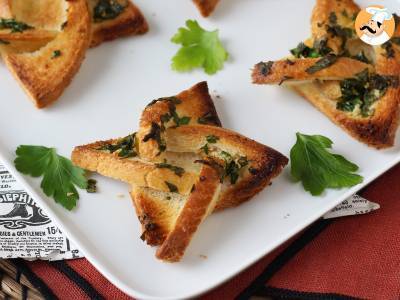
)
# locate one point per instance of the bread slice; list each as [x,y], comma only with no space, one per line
[45,73]
[47,20]
[130,22]
[323,88]
[293,70]
[206,7]
[170,217]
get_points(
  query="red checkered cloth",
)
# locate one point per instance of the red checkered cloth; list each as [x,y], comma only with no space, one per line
[345,258]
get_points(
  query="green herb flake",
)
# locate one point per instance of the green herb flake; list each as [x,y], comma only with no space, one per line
[208,118]
[265,67]
[91,186]
[14,25]
[200,49]
[155,134]
[317,168]
[177,170]
[363,91]
[56,53]
[60,176]
[323,63]
[107,10]
[212,139]
[172,187]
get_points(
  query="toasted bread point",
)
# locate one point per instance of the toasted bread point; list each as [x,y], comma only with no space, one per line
[206,7]
[295,70]
[44,78]
[344,10]
[130,22]
[157,212]
[196,105]
[323,88]
[199,204]
[378,131]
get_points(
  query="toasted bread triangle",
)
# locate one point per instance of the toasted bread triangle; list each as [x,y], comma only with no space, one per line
[322,88]
[130,22]
[170,218]
[45,73]
[206,7]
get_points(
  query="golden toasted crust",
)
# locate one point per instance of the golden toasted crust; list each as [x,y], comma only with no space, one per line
[206,7]
[44,78]
[295,70]
[377,131]
[130,22]
[196,104]
[156,214]
[130,170]
[196,208]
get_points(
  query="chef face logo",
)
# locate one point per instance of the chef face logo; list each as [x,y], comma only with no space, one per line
[375,25]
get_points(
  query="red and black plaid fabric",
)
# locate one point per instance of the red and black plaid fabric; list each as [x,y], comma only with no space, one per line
[346,258]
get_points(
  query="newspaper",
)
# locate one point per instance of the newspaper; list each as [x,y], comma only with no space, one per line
[25,229]
[27,232]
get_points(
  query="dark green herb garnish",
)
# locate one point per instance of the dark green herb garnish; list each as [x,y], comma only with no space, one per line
[155,134]
[126,145]
[14,25]
[208,118]
[107,10]
[212,139]
[172,187]
[388,46]
[323,63]
[265,67]
[205,149]
[233,166]
[177,170]
[172,99]
[345,14]
[56,53]
[3,42]
[396,40]
[302,50]
[362,91]
[335,30]
[320,48]
[91,186]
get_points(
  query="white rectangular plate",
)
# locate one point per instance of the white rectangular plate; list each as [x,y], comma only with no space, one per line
[105,100]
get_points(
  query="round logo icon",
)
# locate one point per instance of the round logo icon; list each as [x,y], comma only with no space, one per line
[375,25]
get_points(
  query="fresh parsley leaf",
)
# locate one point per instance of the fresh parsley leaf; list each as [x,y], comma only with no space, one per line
[200,48]
[60,176]
[317,168]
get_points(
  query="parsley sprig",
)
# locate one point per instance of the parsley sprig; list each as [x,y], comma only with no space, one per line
[200,49]
[317,168]
[60,176]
